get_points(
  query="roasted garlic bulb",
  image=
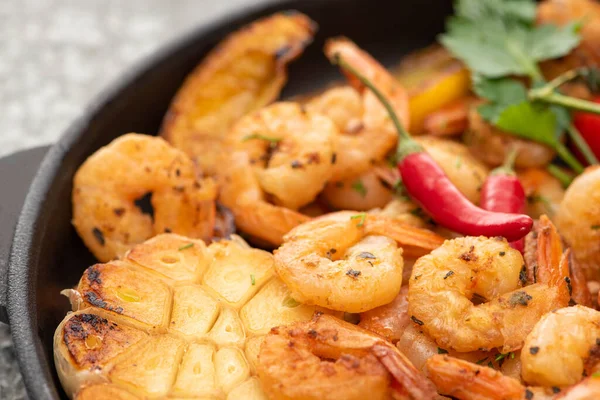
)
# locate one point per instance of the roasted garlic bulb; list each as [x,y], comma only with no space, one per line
[173,318]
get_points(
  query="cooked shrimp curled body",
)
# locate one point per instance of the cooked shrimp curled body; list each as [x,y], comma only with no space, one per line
[109,185]
[291,151]
[327,358]
[444,282]
[556,350]
[343,261]
[367,131]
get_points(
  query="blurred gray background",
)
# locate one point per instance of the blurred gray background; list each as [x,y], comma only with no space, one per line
[57,55]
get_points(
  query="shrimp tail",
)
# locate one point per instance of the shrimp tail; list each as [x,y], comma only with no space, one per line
[552,266]
[415,241]
[580,293]
[467,381]
[411,381]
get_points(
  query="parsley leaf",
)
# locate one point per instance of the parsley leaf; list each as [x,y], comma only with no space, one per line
[501,93]
[529,121]
[509,110]
[359,187]
[496,38]
[519,9]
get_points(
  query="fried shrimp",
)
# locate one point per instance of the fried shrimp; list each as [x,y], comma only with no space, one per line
[587,389]
[389,320]
[346,261]
[291,151]
[444,283]
[468,381]
[562,347]
[578,219]
[327,358]
[109,190]
[367,132]
[244,73]
[369,190]
[254,215]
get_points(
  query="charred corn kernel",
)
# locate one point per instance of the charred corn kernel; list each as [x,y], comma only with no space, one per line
[212,319]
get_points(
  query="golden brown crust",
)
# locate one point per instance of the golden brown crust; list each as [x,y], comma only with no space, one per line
[120,289]
[244,73]
[92,340]
[104,392]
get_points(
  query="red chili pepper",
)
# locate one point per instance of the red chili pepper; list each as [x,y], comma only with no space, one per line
[502,191]
[588,125]
[431,188]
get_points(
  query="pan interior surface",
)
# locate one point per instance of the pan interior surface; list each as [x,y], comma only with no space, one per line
[48,256]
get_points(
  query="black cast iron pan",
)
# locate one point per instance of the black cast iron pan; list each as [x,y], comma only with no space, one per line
[47,255]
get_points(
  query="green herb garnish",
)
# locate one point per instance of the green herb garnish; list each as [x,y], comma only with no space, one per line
[458,163]
[261,137]
[361,217]
[186,246]
[480,362]
[252,279]
[502,356]
[290,302]
[359,187]
[499,39]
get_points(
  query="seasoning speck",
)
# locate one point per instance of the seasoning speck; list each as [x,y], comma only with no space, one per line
[534,350]
[353,273]
[366,254]
[296,164]
[569,286]
[416,321]
[520,297]
[252,279]
[448,274]
[99,236]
